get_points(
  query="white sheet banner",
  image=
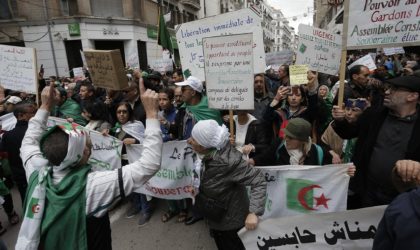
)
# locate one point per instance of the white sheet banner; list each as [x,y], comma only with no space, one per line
[174,179]
[353,229]
[279,57]
[297,190]
[367,61]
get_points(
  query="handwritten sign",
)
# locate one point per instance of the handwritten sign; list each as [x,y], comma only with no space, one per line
[18,69]
[319,49]
[106,69]
[394,51]
[298,74]
[189,37]
[162,65]
[366,61]
[279,58]
[78,72]
[373,24]
[229,71]
[353,229]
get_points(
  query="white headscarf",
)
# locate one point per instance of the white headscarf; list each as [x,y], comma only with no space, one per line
[209,134]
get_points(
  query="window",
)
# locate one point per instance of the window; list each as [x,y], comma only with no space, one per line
[106,8]
[5,10]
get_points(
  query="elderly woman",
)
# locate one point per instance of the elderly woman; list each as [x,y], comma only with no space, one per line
[221,176]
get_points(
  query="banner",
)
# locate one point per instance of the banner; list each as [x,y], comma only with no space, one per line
[229,71]
[279,58]
[190,35]
[174,179]
[298,74]
[393,51]
[162,65]
[18,70]
[374,24]
[353,229]
[294,190]
[319,49]
[367,61]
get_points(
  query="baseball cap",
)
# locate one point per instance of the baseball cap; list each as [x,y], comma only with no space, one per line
[408,82]
[14,100]
[193,82]
[298,128]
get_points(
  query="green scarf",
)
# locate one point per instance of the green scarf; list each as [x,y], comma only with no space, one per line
[71,109]
[201,111]
[349,150]
[63,224]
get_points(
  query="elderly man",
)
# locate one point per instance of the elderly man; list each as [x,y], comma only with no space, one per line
[66,203]
[223,175]
[385,135]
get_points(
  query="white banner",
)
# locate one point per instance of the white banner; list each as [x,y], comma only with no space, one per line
[190,35]
[174,178]
[353,229]
[374,24]
[319,49]
[367,61]
[162,65]
[8,122]
[18,69]
[278,58]
[296,190]
[229,71]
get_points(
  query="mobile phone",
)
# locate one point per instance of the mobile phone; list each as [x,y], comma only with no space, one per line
[42,68]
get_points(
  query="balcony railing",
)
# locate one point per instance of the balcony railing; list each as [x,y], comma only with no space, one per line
[192,3]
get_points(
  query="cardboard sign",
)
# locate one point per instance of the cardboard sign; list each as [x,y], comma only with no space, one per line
[18,70]
[189,37]
[298,74]
[279,58]
[366,61]
[319,49]
[229,71]
[373,24]
[162,65]
[106,69]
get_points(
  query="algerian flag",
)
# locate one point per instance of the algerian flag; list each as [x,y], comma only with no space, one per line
[33,208]
[293,190]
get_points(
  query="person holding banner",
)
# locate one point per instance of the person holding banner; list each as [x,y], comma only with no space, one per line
[66,202]
[220,180]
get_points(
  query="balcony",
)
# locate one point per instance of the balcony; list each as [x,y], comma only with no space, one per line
[192,3]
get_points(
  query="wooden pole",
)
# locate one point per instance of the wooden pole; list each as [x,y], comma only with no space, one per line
[231,127]
[342,78]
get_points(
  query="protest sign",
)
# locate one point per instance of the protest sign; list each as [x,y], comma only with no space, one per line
[394,51]
[174,178]
[319,49]
[353,229]
[366,61]
[8,122]
[18,70]
[293,190]
[279,58]
[298,74]
[373,24]
[78,72]
[229,71]
[162,65]
[106,69]
[189,37]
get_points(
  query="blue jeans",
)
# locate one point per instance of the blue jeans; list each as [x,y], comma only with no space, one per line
[140,201]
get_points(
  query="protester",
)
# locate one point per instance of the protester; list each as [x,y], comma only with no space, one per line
[7,204]
[178,97]
[133,98]
[284,75]
[261,96]
[11,102]
[86,92]
[177,76]
[222,183]
[68,109]
[72,193]
[95,114]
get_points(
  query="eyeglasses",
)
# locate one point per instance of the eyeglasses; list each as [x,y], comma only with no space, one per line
[122,111]
[356,103]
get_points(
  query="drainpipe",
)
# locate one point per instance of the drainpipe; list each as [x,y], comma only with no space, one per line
[49,34]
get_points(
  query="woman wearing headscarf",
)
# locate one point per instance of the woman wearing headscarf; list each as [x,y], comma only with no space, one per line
[220,178]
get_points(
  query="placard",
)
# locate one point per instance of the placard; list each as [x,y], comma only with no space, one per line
[298,74]
[189,37]
[366,61]
[18,70]
[394,51]
[279,58]
[373,24]
[162,65]
[78,72]
[106,69]
[319,49]
[229,71]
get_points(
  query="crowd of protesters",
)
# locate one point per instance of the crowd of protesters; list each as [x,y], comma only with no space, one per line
[377,129]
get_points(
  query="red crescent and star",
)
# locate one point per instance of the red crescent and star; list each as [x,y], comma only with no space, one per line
[321,200]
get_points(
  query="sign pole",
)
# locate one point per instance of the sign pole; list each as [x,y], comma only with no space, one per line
[342,78]
[231,127]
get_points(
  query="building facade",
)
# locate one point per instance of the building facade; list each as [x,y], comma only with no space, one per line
[329,15]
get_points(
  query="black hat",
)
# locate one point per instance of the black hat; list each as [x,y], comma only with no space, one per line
[408,82]
[155,75]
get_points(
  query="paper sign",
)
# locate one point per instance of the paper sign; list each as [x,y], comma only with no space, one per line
[394,51]
[366,61]
[298,74]
[374,24]
[189,37]
[319,49]
[18,69]
[279,57]
[78,72]
[162,65]
[106,69]
[229,71]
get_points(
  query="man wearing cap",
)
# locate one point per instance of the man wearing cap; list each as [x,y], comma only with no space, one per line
[385,135]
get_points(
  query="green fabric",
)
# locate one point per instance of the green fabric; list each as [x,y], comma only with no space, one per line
[3,189]
[116,127]
[349,150]
[327,106]
[64,221]
[164,39]
[201,111]
[71,109]
[5,164]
